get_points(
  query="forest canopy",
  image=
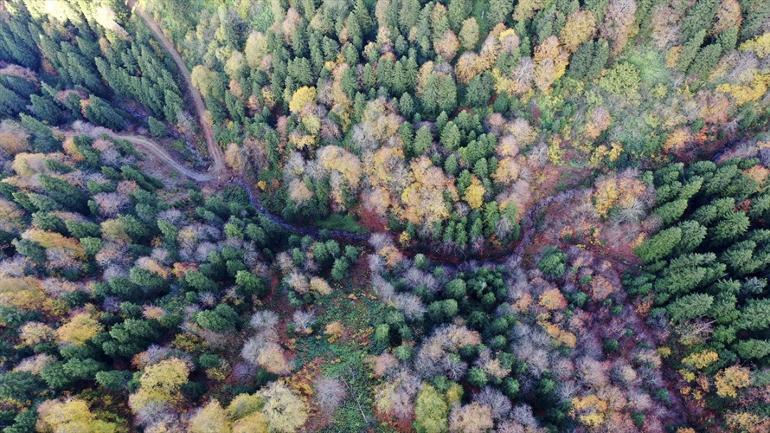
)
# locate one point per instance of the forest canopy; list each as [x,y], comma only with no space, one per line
[430,216]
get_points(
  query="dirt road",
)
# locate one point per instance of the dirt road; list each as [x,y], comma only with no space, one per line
[149,146]
[155,149]
[218,165]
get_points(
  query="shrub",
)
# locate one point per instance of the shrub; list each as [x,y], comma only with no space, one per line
[477,377]
[553,263]
[284,411]
[430,411]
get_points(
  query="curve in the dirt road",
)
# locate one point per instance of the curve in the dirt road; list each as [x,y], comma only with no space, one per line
[80,128]
[214,150]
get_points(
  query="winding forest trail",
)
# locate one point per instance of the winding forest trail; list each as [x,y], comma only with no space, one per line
[96,132]
[215,152]
[146,144]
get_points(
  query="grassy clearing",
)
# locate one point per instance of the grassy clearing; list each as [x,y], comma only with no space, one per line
[345,358]
[341,222]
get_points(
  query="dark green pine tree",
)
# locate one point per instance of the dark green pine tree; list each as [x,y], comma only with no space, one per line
[729,228]
[671,211]
[422,141]
[11,103]
[705,61]
[45,108]
[43,139]
[17,40]
[755,16]
[698,18]
[660,245]
[100,112]
[499,11]
[690,50]
[64,193]
[755,316]
[599,58]
[689,307]
[446,94]
[457,11]
[693,235]
[753,349]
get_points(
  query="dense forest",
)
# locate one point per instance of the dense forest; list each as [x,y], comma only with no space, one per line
[444,216]
[445,120]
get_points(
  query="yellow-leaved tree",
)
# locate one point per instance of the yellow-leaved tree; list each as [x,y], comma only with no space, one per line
[474,193]
[731,379]
[203,79]
[32,333]
[70,416]
[243,405]
[80,328]
[13,137]
[245,413]
[580,26]
[48,240]
[759,45]
[284,410]
[423,200]
[211,418]
[340,160]
[252,423]
[256,50]
[590,410]
[29,164]
[23,293]
[160,384]
[550,63]
[552,299]
[345,171]
[301,98]
[234,157]
[701,360]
